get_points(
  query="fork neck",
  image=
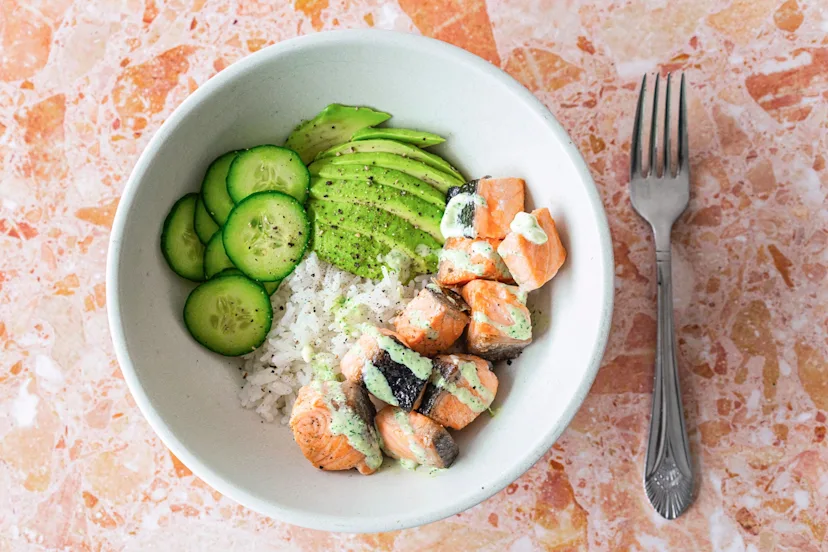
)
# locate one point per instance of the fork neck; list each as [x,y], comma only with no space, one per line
[662,243]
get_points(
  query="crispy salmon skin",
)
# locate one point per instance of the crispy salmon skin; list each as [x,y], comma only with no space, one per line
[501,326]
[333,424]
[461,387]
[533,250]
[432,321]
[415,438]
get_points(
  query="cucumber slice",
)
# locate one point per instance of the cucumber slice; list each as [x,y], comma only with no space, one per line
[419,213]
[437,178]
[416,137]
[230,314]
[392,146]
[270,287]
[266,235]
[179,242]
[203,223]
[355,255]
[215,259]
[267,168]
[372,224]
[380,175]
[214,188]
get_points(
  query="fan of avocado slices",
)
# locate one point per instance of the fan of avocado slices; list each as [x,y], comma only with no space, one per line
[376,196]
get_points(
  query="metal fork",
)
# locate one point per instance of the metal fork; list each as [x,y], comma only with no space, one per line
[660,200]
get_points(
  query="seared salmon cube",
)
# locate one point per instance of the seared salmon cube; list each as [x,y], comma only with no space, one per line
[500,326]
[432,321]
[390,370]
[415,438]
[461,387]
[322,405]
[482,208]
[533,250]
[463,260]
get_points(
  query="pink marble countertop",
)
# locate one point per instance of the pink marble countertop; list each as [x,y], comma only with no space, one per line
[85,83]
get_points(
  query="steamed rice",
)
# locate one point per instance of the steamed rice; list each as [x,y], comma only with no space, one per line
[315,312]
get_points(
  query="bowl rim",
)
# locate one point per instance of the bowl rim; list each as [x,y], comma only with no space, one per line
[301,517]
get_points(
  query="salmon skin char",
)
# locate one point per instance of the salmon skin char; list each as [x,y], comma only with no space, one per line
[405,386]
[469,187]
[466,216]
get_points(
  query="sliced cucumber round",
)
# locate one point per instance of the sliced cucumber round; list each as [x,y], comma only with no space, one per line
[203,223]
[214,188]
[179,242]
[266,235]
[230,314]
[268,168]
[215,259]
[270,287]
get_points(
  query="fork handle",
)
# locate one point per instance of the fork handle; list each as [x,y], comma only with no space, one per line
[668,475]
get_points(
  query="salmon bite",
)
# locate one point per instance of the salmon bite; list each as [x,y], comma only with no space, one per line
[433,320]
[391,371]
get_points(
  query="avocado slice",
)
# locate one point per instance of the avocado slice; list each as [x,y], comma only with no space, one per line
[333,125]
[371,223]
[386,177]
[343,249]
[391,146]
[440,180]
[416,137]
[419,213]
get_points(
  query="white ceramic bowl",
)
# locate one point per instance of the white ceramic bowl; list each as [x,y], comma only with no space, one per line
[494,126]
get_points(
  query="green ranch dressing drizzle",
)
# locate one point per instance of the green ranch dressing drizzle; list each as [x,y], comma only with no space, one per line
[344,421]
[468,371]
[415,448]
[485,249]
[323,367]
[420,366]
[527,226]
[421,323]
[520,328]
[451,226]
[462,261]
[519,294]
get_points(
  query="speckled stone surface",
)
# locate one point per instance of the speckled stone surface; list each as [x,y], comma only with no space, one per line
[85,83]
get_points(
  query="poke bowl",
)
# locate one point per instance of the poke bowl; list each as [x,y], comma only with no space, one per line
[213,411]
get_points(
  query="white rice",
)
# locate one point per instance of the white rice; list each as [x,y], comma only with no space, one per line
[312,312]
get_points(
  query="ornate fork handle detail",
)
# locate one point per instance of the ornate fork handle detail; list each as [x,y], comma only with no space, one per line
[668,475]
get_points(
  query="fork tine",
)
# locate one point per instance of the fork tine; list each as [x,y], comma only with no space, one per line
[667,169]
[635,145]
[653,168]
[683,144]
